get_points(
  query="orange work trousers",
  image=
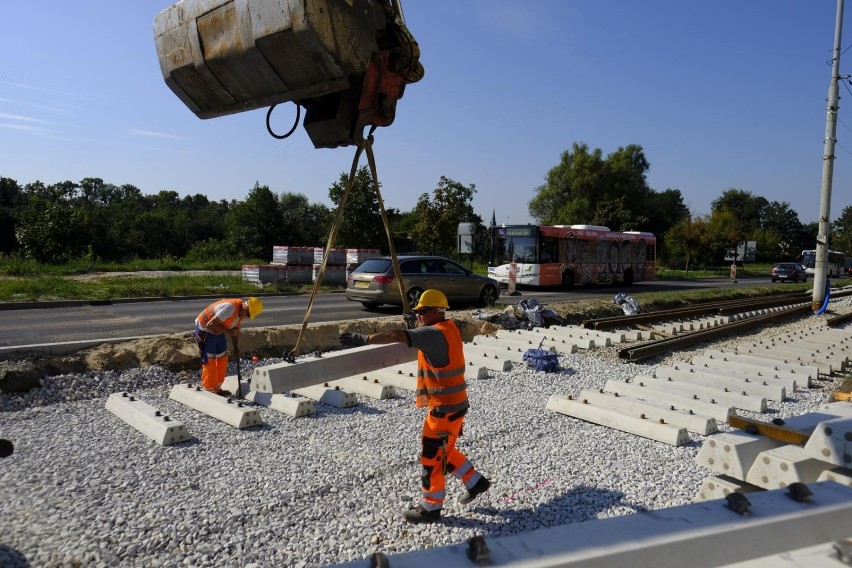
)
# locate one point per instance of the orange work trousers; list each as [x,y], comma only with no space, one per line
[440,456]
[214,361]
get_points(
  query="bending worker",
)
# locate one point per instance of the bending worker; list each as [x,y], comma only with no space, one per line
[441,388]
[218,320]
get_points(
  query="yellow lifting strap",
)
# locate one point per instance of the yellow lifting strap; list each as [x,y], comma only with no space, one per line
[366,144]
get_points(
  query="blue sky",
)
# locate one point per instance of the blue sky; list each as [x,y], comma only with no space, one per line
[720,94]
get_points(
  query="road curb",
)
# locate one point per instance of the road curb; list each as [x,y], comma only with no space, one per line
[5,306]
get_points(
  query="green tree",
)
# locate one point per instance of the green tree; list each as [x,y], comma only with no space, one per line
[726,232]
[255,225]
[361,224]
[11,202]
[54,232]
[750,209]
[438,218]
[781,225]
[664,209]
[841,233]
[586,188]
[617,215]
[568,195]
[689,241]
[305,223]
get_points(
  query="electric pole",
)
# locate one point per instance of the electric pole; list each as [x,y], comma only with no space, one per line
[820,265]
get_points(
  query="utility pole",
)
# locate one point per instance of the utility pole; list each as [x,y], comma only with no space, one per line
[820,266]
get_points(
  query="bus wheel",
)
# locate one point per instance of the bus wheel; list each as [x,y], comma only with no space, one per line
[568,279]
[628,277]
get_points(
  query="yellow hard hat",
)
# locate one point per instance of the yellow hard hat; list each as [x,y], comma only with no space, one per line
[432,299]
[255,306]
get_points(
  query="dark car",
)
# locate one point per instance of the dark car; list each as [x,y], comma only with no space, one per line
[373,282]
[789,272]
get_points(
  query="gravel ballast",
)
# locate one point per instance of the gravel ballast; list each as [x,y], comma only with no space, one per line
[85,489]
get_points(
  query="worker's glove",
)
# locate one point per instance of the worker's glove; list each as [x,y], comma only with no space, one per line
[353,339]
[410,320]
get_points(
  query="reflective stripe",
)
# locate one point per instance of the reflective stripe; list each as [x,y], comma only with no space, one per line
[435,495]
[463,469]
[439,374]
[209,313]
[442,390]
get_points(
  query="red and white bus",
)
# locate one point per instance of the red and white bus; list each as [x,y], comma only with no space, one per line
[565,255]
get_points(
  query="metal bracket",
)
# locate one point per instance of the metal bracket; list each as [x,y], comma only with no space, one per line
[478,551]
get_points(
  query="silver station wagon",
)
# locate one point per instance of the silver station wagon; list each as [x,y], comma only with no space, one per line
[373,282]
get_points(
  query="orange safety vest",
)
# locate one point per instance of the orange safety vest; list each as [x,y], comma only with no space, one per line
[443,388]
[209,313]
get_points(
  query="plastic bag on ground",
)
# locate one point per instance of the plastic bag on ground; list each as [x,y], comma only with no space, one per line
[505,319]
[541,360]
[628,304]
[539,316]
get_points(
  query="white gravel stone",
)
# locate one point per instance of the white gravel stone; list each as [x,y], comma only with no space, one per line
[85,489]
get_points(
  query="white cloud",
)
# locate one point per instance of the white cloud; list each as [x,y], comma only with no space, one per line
[152,134]
[22,118]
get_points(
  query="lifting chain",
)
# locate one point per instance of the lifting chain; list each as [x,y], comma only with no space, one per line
[366,144]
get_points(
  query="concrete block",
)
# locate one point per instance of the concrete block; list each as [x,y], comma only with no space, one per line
[328,394]
[578,336]
[699,424]
[647,428]
[147,419]
[721,380]
[289,404]
[831,441]
[492,363]
[699,535]
[840,475]
[717,410]
[373,388]
[755,372]
[720,486]
[822,366]
[228,410]
[733,453]
[779,467]
[811,371]
[737,400]
[842,409]
[531,339]
[283,377]
[490,350]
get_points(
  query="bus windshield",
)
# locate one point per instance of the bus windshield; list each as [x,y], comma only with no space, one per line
[516,249]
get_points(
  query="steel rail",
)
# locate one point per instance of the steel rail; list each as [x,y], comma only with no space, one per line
[718,307]
[650,349]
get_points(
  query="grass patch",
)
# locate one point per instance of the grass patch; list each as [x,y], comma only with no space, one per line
[45,288]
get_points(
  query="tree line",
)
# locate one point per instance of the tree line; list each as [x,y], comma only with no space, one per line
[58,223]
[94,219]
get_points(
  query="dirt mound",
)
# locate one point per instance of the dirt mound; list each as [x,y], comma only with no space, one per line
[179,352]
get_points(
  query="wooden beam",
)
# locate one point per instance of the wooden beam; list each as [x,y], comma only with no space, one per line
[773,431]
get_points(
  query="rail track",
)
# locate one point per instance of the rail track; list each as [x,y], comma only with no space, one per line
[743,315]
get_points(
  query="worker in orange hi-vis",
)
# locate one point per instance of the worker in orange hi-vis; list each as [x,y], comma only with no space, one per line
[219,319]
[441,388]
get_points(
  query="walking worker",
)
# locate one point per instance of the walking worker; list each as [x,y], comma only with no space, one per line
[441,388]
[218,320]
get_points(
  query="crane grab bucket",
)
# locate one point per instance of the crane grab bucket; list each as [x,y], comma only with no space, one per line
[345,61]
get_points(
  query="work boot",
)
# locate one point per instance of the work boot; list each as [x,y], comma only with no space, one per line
[478,488]
[420,515]
[225,393]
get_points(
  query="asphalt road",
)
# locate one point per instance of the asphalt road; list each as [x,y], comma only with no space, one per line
[49,323]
